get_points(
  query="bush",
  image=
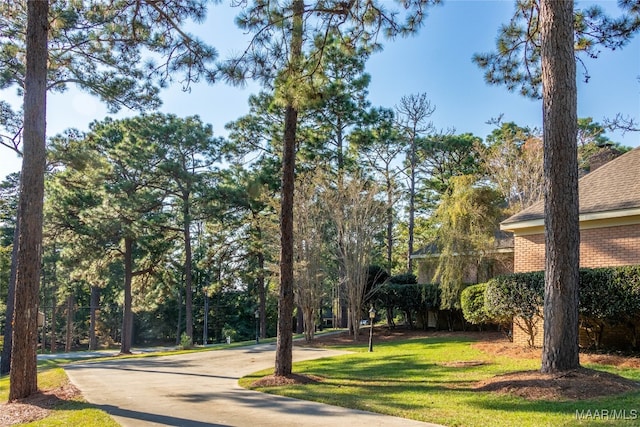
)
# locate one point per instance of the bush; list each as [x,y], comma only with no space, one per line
[402,293]
[607,297]
[185,341]
[229,332]
[404,279]
[472,302]
[610,297]
[518,296]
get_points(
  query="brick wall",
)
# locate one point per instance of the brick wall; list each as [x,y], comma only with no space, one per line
[521,337]
[599,247]
[612,246]
[620,336]
[528,253]
[426,269]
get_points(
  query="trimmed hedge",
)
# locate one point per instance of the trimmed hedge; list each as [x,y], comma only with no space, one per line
[518,297]
[608,297]
[472,303]
[402,293]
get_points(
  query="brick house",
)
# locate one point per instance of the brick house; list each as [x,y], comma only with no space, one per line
[498,261]
[609,222]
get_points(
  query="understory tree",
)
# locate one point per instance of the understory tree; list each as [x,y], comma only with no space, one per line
[380,144]
[311,248]
[512,160]
[358,220]
[467,218]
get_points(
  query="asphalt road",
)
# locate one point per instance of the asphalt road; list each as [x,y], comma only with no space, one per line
[201,389]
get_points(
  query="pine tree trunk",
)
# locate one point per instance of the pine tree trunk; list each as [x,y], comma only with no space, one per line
[23,376]
[179,323]
[54,313]
[188,282]
[412,203]
[300,320]
[69,334]
[262,296]
[284,343]
[205,328]
[562,233]
[127,315]
[93,308]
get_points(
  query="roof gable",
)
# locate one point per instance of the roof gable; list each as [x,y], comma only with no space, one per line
[614,186]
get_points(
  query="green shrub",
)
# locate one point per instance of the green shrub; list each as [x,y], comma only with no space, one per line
[472,302]
[413,300]
[517,296]
[185,341]
[607,297]
[228,332]
[610,297]
[404,279]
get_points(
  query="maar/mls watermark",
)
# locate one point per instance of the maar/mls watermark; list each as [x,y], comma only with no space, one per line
[607,414]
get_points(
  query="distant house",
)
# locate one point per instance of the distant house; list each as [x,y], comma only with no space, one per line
[499,261]
[609,222]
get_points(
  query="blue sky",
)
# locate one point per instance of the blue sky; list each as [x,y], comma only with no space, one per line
[436,61]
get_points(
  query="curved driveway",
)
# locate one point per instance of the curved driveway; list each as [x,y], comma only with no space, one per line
[201,389]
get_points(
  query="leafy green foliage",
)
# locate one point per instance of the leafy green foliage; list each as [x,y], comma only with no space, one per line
[440,158]
[8,207]
[402,293]
[518,294]
[106,48]
[186,342]
[358,23]
[516,59]
[608,296]
[340,105]
[467,218]
[472,304]
[404,279]
[518,297]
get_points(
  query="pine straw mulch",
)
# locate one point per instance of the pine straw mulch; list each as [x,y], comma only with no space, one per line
[579,384]
[36,406]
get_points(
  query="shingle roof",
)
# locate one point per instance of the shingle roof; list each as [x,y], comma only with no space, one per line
[613,186]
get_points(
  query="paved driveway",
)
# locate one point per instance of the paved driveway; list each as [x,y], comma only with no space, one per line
[201,389]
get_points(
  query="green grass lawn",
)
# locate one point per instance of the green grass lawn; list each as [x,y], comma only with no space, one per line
[409,379]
